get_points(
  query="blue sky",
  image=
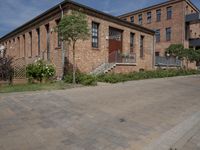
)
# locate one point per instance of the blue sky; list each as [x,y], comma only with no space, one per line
[14,13]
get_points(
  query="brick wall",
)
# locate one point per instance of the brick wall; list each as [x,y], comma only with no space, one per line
[87,58]
[177,23]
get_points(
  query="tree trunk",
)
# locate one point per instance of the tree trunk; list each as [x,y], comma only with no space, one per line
[74,64]
[187,63]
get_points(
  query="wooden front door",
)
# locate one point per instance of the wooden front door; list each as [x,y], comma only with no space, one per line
[115,43]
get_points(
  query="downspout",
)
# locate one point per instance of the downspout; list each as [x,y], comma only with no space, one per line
[62,47]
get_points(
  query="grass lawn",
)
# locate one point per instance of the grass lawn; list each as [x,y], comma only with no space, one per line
[35,87]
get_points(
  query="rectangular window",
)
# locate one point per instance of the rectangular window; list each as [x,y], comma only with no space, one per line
[169,13]
[132,37]
[158,15]
[48,41]
[132,19]
[58,34]
[95,35]
[157,53]
[148,17]
[24,44]
[140,19]
[18,45]
[168,34]
[141,46]
[31,44]
[38,35]
[157,35]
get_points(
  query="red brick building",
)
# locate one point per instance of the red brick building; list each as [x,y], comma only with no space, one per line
[174,21]
[114,44]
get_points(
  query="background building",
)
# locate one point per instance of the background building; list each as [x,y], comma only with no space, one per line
[174,21]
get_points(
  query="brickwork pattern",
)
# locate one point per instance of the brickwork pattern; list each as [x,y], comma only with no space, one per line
[87,58]
[177,24]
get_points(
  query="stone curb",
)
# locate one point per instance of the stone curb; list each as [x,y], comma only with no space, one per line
[177,136]
[181,142]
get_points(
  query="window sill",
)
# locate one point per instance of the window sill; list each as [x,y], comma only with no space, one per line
[58,47]
[127,64]
[142,57]
[97,49]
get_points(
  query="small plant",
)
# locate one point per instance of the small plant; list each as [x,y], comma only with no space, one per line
[81,78]
[88,80]
[6,69]
[40,71]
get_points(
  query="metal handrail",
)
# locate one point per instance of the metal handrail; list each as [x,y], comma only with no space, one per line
[119,57]
[164,61]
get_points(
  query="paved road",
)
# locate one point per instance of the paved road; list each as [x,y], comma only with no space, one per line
[136,115]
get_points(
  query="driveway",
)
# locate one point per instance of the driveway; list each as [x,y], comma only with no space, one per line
[136,115]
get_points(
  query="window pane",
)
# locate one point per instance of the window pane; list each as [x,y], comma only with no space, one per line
[140,19]
[158,35]
[169,12]
[149,17]
[168,34]
[142,46]
[158,12]
[132,39]
[95,34]
[132,19]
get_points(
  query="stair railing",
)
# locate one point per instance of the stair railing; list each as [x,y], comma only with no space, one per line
[119,57]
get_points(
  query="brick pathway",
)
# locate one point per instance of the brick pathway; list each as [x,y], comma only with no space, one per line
[126,116]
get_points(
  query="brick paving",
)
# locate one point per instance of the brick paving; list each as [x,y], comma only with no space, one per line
[125,116]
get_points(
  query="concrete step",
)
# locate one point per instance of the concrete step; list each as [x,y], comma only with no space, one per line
[104,68]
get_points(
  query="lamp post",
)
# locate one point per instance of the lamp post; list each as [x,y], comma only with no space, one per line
[168,56]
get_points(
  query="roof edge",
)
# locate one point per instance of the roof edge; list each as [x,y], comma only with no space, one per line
[158,5]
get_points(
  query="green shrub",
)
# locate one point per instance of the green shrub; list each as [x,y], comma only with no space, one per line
[81,78]
[115,78]
[40,70]
[6,69]
[88,80]
[68,78]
